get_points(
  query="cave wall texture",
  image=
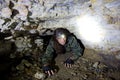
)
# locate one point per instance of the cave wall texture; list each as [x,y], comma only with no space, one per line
[95,22]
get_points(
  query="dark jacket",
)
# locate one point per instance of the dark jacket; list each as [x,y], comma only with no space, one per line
[71,46]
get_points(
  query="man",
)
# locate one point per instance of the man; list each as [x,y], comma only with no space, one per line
[61,42]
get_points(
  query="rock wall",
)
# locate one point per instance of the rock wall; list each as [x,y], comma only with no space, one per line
[95,22]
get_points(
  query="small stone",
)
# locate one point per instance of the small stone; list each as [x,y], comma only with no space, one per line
[26,63]
[33,31]
[26,23]
[73,73]
[1,21]
[117,56]
[85,77]
[40,76]
[39,42]
[20,67]
[95,65]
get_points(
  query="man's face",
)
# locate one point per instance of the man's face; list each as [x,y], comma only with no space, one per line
[62,40]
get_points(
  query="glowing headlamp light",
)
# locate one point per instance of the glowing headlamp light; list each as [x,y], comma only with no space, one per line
[61,36]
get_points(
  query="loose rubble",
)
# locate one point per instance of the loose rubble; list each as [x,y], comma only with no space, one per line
[27,25]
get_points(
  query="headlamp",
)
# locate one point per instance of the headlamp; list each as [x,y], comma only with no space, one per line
[61,36]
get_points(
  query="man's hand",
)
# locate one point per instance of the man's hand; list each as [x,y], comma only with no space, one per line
[48,70]
[68,63]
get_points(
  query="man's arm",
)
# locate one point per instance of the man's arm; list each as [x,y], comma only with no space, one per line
[48,55]
[76,48]
[47,58]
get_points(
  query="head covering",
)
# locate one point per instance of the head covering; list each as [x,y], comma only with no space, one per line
[61,33]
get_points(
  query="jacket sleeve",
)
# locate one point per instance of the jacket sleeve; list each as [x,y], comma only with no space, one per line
[77,50]
[48,55]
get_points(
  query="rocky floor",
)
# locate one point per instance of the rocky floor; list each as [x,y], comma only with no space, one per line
[88,67]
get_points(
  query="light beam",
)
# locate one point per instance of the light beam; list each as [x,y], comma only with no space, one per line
[90,29]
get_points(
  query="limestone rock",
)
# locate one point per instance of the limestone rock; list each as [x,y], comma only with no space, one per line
[20,67]
[23,43]
[3,4]
[39,42]
[1,22]
[6,12]
[37,11]
[95,65]
[40,76]
[25,2]
[100,19]
[26,63]
[23,11]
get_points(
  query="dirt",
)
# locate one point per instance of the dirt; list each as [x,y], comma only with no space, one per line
[89,67]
